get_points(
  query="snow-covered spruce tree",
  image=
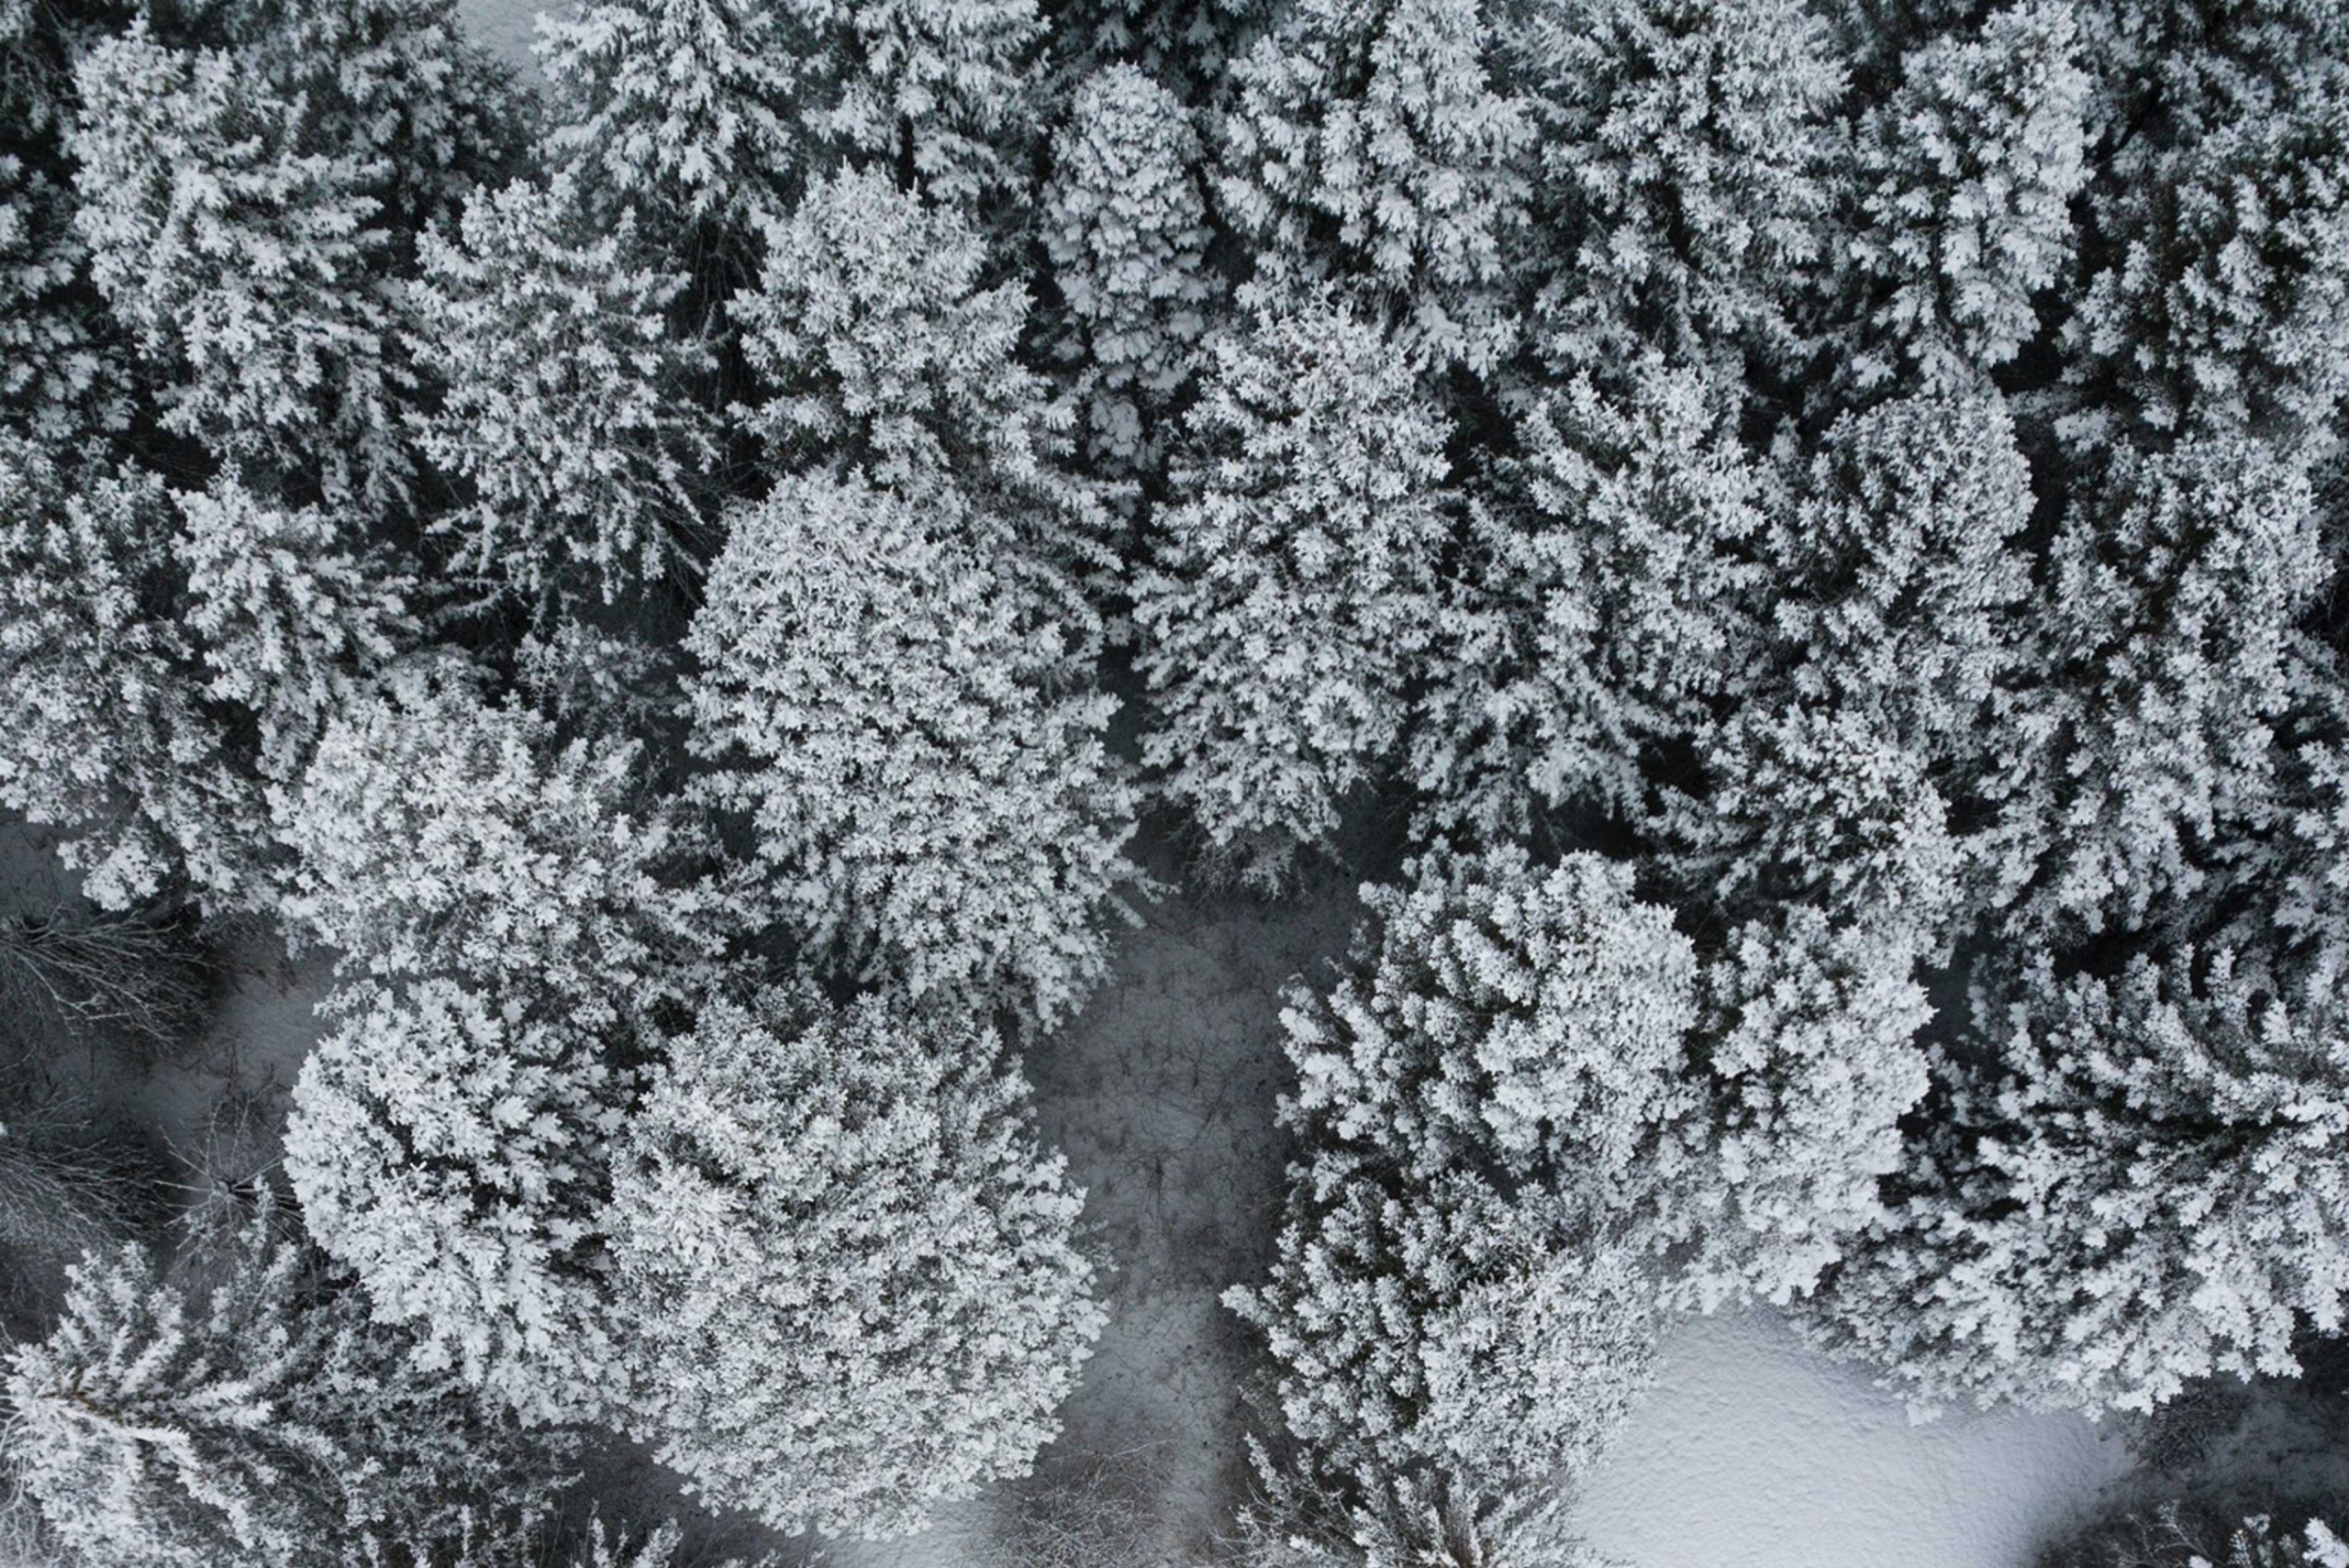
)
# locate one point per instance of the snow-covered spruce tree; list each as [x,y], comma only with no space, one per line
[437,833]
[57,375]
[252,1420]
[1188,44]
[1367,143]
[1805,1057]
[882,343]
[288,618]
[449,1143]
[2173,584]
[52,367]
[1900,582]
[713,109]
[1507,1019]
[1459,1303]
[1126,226]
[679,108]
[845,1267]
[911,735]
[166,657]
[942,91]
[1900,632]
[1685,171]
[1965,179]
[1441,1332]
[1292,588]
[2215,251]
[2291,903]
[2143,1186]
[100,736]
[1826,806]
[243,259]
[392,83]
[1609,607]
[565,399]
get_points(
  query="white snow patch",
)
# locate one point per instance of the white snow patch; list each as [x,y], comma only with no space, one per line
[507,28]
[1752,1451]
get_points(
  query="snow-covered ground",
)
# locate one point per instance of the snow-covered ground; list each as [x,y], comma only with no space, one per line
[1752,1452]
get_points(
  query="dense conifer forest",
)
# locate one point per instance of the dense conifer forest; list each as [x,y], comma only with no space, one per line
[1779,557]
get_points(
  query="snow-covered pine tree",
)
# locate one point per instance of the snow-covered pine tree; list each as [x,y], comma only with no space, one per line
[2292,895]
[913,737]
[1827,806]
[1609,604]
[1685,171]
[1805,1057]
[57,375]
[679,108]
[1126,226]
[53,367]
[1507,1019]
[449,1144]
[438,833]
[397,81]
[1439,1334]
[845,1267]
[1460,1299]
[2143,1186]
[1292,589]
[941,91]
[253,1419]
[1188,44]
[242,250]
[566,401]
[1367,145]
[1965,184]
[881,343]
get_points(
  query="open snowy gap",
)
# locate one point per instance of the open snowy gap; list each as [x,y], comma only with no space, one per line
[1754,1451]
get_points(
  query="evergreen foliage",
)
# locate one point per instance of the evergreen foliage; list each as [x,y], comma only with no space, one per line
[1293,587]
[714,109]
[566,403]
[437,833]
[2141,1193]
[1127,230]
[1367,144]
[239,249]
[1768,505]
[450,1148]
[255,1418]
[845,1267]
[924,775]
